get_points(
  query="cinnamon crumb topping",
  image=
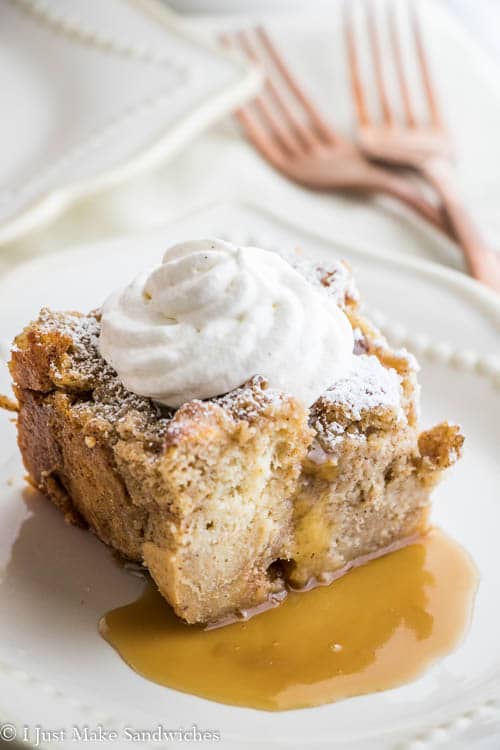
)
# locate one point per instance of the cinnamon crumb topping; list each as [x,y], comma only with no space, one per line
[369,386]
[8,404]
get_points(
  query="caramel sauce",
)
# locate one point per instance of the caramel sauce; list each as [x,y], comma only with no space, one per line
[377,627]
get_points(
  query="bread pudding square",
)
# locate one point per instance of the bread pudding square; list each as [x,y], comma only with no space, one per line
[230,500]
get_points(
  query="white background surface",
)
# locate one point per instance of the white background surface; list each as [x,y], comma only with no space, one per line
[220,164]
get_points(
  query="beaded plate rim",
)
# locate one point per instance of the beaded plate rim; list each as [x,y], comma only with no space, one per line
[486,713]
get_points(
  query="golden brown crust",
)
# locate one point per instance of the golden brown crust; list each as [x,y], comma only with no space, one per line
[8,404]
[440,447]
[174,491]
[36,355]
[220,496]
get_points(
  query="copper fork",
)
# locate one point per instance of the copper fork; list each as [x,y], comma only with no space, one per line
[399,137]
[291,133]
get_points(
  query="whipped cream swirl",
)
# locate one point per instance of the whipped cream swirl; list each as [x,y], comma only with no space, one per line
[212,315]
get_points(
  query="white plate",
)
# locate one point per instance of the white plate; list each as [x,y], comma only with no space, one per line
[57,581]
[92,91]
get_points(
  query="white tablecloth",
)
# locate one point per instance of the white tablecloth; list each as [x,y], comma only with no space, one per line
[221,165]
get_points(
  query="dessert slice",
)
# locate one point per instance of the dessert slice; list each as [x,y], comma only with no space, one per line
[366,480]
[231,499]
[201,495]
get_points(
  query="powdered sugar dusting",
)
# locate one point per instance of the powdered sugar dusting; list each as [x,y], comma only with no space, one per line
[83,333]
[369,385]
[249,401]
[360,341]
[336,280]
[120,410]
[368,389]
[406,356]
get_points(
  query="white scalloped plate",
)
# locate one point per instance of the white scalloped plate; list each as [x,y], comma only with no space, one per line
[55,581]
[92,91]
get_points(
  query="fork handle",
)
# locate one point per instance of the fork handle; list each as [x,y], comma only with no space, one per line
[390,184]
[482,261]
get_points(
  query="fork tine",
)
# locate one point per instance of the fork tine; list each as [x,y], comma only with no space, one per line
[275,127]
[400,70]
[425,70]
[255,131]
[259,136]
[377,60]
[323,129]
[355,74]
[303,134]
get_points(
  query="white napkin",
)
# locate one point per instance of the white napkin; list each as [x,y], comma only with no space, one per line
[221,164]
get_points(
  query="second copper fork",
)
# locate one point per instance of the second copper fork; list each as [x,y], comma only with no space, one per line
[399,135]
[291,133]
